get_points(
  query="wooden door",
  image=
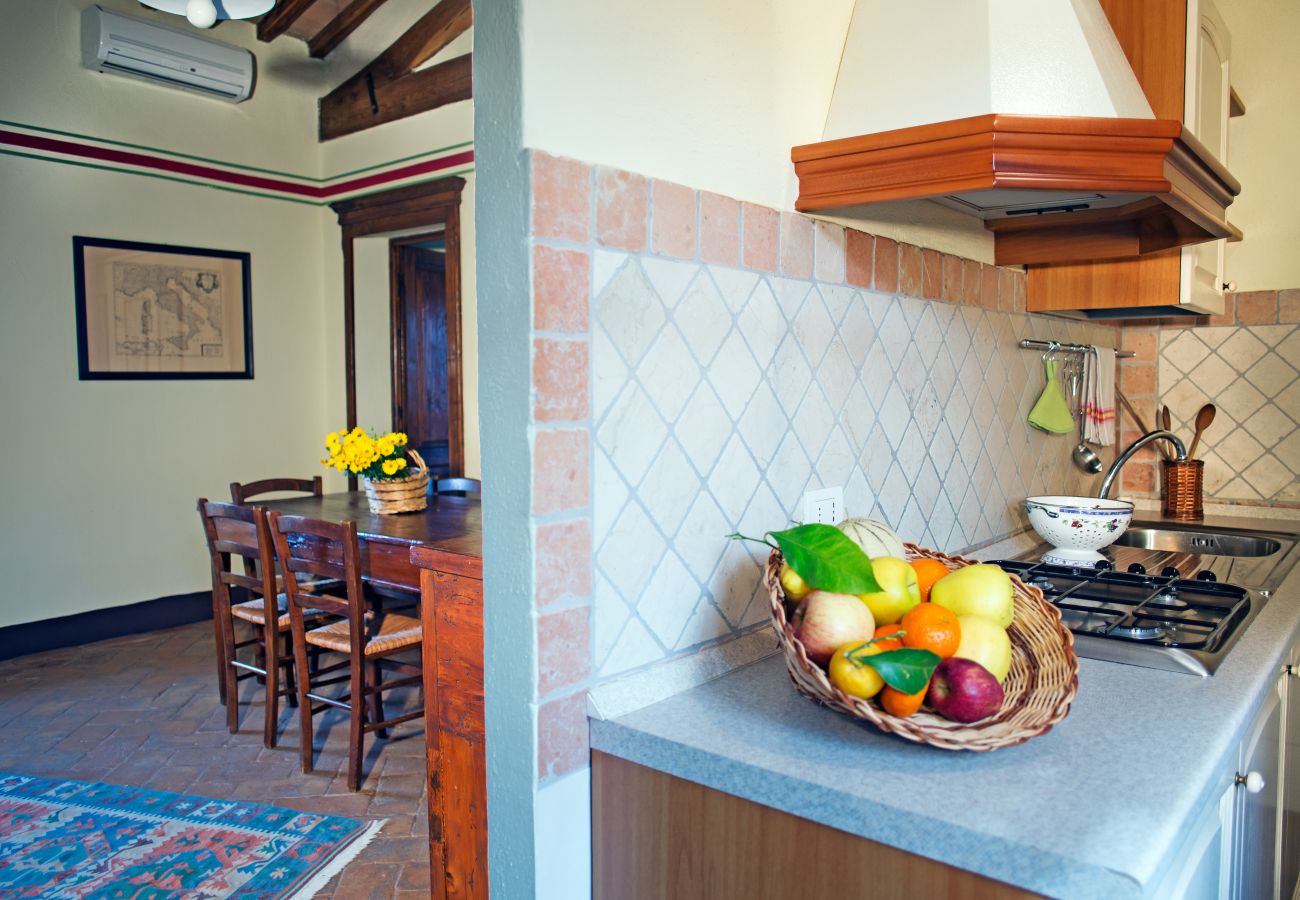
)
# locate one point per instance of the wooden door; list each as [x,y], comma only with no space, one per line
[421,393]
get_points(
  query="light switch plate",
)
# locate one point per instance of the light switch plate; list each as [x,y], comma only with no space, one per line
[824,505]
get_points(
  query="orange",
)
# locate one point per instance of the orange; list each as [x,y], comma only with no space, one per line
[886,631]
[896,703]
[930,626]
[928,571]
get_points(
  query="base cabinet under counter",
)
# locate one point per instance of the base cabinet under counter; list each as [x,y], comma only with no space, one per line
[658,837]
[1233,849]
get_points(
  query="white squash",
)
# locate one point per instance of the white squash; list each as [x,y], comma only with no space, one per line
[874,537]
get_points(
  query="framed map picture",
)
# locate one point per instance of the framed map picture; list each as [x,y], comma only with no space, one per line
[159,311]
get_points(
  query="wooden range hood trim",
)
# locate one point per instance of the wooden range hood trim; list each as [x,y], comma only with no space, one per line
[1188,189]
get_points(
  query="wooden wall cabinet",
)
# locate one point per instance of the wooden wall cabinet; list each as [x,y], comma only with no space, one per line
[1179,51]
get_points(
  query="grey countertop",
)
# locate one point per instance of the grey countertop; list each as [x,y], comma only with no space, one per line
[1094,808]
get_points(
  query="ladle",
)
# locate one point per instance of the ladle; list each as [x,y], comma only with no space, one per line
[1084,456]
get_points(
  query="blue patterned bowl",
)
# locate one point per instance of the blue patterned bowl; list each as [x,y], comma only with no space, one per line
[1077,527]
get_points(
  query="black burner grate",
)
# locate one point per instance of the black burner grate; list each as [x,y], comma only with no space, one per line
[1157,610]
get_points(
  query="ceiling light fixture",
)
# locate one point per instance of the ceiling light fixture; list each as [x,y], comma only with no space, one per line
[206,13]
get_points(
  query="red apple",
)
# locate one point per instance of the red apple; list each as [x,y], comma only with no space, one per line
[964,691]
[826,621]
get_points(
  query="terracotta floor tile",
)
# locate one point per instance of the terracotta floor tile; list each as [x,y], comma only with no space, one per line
[144,711]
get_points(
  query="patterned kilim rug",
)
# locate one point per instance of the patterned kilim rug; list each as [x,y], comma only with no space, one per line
[74,839]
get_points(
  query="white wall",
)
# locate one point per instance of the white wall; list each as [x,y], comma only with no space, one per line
[98,496]
[1262,143]
[711,95]
[707,94]
[370,266]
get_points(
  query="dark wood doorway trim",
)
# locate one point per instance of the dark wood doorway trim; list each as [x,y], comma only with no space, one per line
[403,209]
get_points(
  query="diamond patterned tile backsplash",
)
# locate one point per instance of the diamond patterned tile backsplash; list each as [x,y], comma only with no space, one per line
[720,395]
[1252,449]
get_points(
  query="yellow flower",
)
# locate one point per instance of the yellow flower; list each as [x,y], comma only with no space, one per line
[399,438]
[384,447]
[390,466]
[401,464]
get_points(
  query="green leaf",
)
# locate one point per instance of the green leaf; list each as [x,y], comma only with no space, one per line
[827,559]
[906,670]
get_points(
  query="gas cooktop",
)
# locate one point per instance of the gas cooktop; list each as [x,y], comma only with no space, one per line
[1159,620]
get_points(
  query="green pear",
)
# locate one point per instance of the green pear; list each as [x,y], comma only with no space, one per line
[985,643]
[982,590]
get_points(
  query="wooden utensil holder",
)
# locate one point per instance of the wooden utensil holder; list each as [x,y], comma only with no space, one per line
[1182,488]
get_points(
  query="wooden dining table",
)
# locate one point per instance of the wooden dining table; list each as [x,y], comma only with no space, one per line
[439,553]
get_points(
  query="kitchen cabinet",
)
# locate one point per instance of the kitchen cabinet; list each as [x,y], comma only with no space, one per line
[658,837]
[1234,848]
[1259,779]
[1179,50]
[1290,817]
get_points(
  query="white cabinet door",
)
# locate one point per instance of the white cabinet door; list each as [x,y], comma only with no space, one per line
[1290,864]
[1203,869]
[1255,858]
[1207,94]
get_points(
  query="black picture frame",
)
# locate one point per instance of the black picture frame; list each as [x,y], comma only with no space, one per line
[99,358]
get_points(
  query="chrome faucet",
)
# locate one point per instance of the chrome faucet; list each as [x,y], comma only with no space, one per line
[1113,472]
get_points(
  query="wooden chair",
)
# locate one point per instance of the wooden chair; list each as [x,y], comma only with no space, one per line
[367,637]
[242,493]
[243,531]
[459,487]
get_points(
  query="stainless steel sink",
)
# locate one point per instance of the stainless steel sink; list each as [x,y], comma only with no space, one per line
[1257,558]
[1214,543]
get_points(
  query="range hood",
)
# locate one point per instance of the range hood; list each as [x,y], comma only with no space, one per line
[1024,113]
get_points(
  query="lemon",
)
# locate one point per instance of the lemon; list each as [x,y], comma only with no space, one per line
[795,587]
[857,679]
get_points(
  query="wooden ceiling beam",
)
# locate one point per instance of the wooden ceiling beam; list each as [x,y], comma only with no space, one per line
[435,30]
[281,18]
[341,26]
[391,88]
[351,107]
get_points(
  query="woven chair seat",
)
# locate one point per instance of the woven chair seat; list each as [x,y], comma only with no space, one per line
[255,611]
[395,631]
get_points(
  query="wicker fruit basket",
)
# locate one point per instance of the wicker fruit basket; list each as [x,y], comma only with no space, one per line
[398,495]
[1043,680]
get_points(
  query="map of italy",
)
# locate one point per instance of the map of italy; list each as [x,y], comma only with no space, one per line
[166,311]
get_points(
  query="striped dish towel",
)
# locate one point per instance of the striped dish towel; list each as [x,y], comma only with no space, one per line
[1099,399]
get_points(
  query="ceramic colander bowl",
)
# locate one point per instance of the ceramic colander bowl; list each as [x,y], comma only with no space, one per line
[1077,527]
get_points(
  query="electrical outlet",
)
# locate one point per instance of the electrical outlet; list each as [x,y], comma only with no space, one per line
[824,505]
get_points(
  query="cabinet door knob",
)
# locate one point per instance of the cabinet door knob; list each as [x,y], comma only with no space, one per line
[1254,781]
[1230,287]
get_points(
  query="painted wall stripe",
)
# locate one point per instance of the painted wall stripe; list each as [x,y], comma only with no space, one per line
[114,158]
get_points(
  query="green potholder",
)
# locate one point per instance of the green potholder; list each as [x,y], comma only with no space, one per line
[1051,412]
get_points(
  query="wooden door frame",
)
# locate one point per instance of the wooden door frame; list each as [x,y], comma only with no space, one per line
[403,209]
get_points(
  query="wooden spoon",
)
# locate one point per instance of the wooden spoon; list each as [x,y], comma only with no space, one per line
[1167,423]
[1203,420]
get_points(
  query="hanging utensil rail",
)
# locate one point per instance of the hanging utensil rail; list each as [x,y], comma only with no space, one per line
[1058,347]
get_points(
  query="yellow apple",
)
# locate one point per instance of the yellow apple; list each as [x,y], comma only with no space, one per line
[898,590]
[984,642]
[981,590]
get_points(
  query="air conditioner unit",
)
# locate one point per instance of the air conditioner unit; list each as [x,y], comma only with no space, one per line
[111,42]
